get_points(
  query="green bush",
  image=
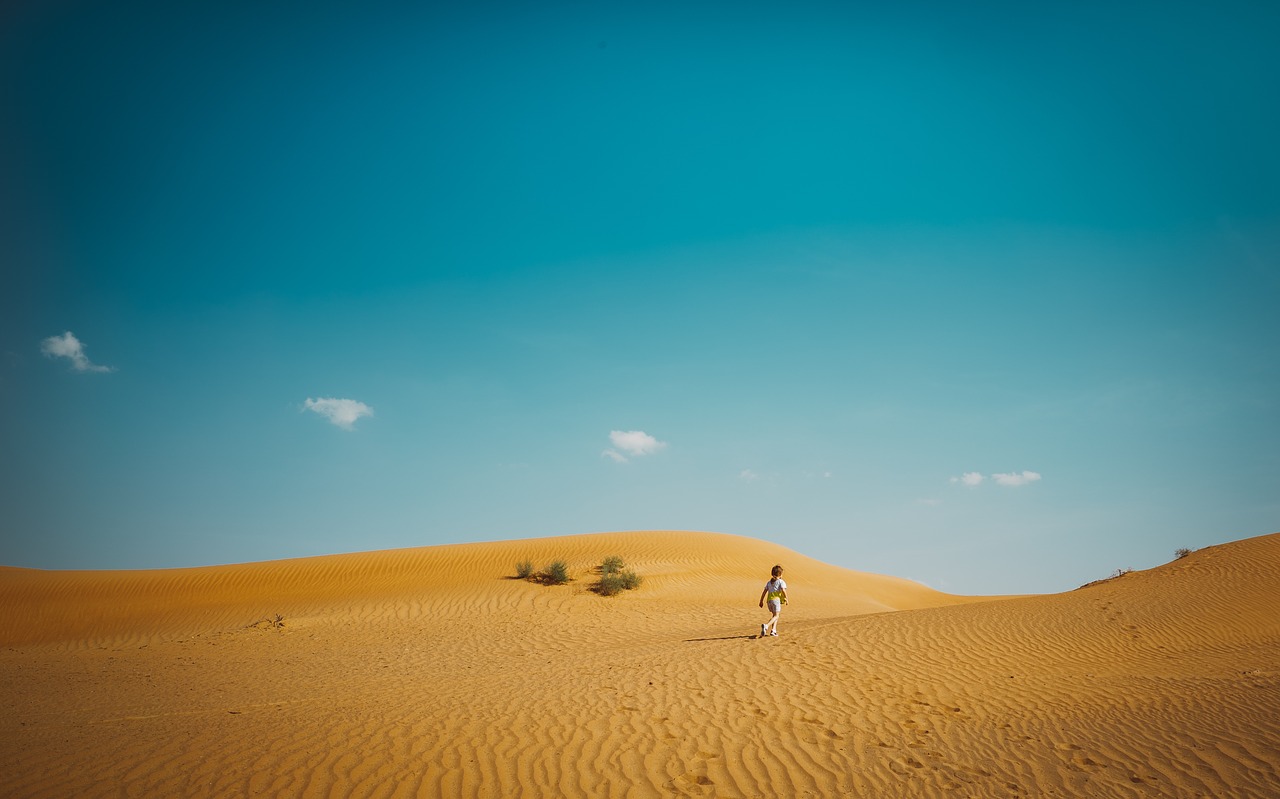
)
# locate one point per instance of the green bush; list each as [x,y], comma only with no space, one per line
[615,582]
[556,573]
[609,585]
[524,569]
[612,565]
[1181,552]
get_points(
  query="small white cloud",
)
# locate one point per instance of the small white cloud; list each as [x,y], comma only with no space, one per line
[69,347]
[1016,478]
[748,476]
[929,503]
[342,412]
[636,442]
[614,455]
[969,478]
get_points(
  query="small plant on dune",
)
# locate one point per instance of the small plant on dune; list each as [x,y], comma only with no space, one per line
[609,585]
[524,569]
[1115,575]
[556,573]
[614,578]
[269,623]
[1181,552]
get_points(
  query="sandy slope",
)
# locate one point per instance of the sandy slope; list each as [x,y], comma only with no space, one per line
[432,672]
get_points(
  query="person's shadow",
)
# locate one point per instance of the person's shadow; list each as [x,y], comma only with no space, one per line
[722,638]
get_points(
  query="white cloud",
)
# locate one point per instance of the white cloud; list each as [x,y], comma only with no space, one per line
[929,503]
[1016,478]
[1012,479]
[70,347]
[342,412]
[635,442]
[614,455]
[746,475]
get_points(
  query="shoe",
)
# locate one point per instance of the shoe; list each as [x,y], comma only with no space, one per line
[774,633]
[763,628]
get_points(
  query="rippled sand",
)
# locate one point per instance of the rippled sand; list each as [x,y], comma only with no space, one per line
[434,672]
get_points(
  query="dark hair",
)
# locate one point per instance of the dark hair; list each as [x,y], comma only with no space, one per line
[777,571]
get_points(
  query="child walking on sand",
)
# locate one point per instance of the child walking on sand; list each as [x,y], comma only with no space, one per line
[776,592]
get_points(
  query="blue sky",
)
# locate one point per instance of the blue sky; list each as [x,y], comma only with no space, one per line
[828,260]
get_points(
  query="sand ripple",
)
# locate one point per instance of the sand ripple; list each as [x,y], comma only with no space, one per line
[431,672]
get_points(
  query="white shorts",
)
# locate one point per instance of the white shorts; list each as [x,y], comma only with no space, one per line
[774,605]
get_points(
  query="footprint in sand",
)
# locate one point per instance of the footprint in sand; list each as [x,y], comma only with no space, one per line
[905,765]
[1085,762]
[694,781]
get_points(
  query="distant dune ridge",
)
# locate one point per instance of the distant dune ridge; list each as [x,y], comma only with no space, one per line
[435,672]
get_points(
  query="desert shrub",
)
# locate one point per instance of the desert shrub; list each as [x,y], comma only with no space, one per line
[611,565]
[1120,573]
[556,573]
[1181,552]
[524,569]
[610,584]
[615,582]
[269,623]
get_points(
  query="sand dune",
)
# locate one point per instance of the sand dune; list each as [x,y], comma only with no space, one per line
[433,672]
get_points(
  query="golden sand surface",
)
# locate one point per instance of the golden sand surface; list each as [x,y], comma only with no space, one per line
[435,672]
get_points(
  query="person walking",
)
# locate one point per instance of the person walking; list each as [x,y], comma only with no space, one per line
[775,591]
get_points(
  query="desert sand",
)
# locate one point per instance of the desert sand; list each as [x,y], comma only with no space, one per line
[435,672]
